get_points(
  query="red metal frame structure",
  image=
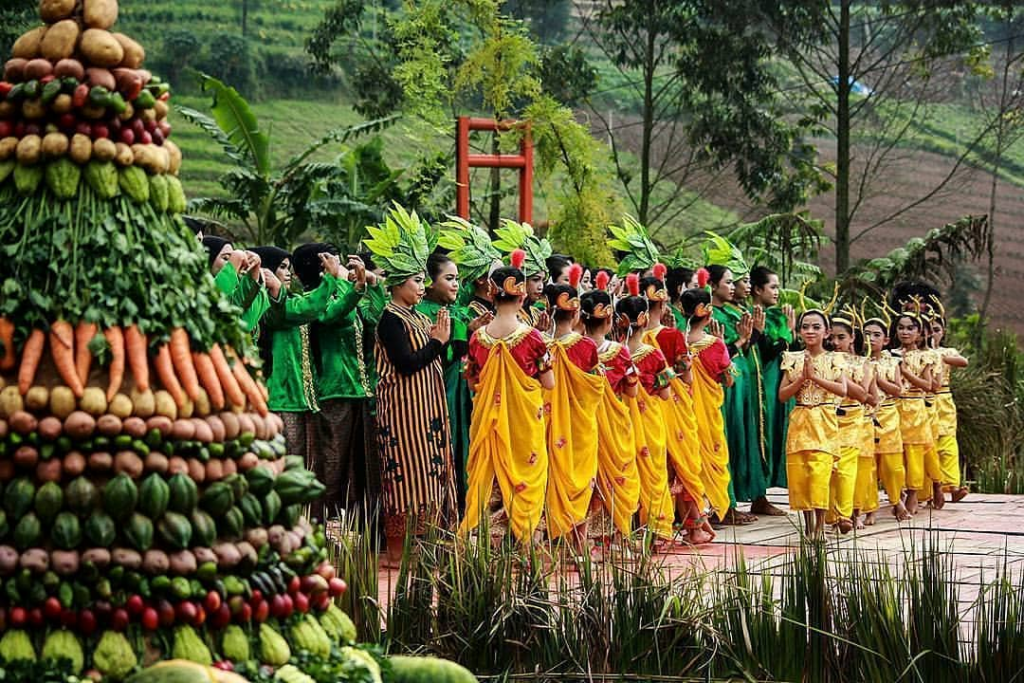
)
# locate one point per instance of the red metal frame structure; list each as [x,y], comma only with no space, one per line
[465,161]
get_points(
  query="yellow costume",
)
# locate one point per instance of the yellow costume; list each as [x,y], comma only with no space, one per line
[618,482]
[647,414]
[812,443]
[888,437]
[572,437]
[865,495]
[507,441]
[920,459]
[851,436]
[683,443]
[949,449]
[708,397]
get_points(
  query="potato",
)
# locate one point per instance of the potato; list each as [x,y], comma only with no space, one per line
[204,555]
[27,46]
[62,402]
[104,77]
[61,104]
[183,430]
[22,423]
[109,425]
[6,470]
[49,470]
[60,40]
[188,409]
[214,470]
[155,562]
[100,48]
[8,560]
[100,462]
[134,427]
[202,399]
[161,424]
[125,158]
[29,150]
[99,13]
[14,70]
[81,149]
[134,54]
[55,145]
[177,465]
[231,428]
[26,457]
[143,403]
[248,462]
[33,109]
[174,152]
[38,69]
[204,434]
[35,559]
[120,405]
[217,427]
[183,563]
[93,401]
[127,558]
[156,462]
[229,467]
[79,425]
[50,428]
[196,471]
[74,464]
[64,562]
[161,109]
[69,68]
[55,10]
[165,405]
[104,149]
[129,463]
[8,146]
[37,398]
[98,557]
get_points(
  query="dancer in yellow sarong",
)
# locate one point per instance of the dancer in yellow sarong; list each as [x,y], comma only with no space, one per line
[508,459]
[618,483]
[571,409]
[711,369]
[888,439]
[949,450]
[682,442]
[915,426]
[646,412]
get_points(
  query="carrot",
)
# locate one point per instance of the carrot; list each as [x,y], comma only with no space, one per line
[208,378]
[248,385]
[115,338]
[83,358]
[31,354]
[8,359]
[165,370]
[232,391]
[62,349]
[181,356]
[136,348]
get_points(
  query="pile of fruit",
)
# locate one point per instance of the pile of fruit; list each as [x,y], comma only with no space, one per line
[149,510]
[76,101]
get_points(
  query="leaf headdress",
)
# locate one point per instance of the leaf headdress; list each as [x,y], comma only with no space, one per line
[512,236]
[631,237]
[401,245]
[469,246]
[719,251]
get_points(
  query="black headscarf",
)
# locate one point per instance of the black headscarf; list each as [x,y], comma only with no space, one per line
[271,258]
[306,262]
[214,245]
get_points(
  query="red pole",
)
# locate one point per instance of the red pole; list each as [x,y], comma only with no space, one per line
[526,179]
[462,167]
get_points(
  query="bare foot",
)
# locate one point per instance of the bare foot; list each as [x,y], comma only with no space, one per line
[762,506]
[960,494]
[900,512]
[869,519]
[735,518]
[699,537]
[911,502]
[845,526]
[938,497]
[858,523]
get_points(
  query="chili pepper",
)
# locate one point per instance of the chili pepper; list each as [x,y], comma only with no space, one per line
[50,91]
[5,88]
[117,103]
[145,100]
[32,89]
[81,96]
[99,96]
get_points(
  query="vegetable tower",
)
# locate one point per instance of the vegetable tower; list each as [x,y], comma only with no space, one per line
[146,493]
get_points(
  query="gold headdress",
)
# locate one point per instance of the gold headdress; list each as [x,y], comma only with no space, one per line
[824,311]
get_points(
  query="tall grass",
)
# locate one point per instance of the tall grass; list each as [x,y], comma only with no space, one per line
[817,617]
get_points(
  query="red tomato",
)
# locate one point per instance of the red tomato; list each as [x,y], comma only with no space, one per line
[119,620]
[212,602]
[52,608]
[134,605]
[150,619]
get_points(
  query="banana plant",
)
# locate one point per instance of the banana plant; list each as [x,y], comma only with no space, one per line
[264,204]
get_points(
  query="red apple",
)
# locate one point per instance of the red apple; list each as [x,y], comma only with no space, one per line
[86,622]
[6,129]
[146,138]
[100,130]
[301,603]
[128,136]
[119,620]
[150,619]
[84,128]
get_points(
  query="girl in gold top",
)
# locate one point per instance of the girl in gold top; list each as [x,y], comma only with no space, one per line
[915,428]
[851,422]
[815,377]
[888,439]
[949,450]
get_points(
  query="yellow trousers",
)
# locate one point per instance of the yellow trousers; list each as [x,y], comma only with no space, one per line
[922,463]
[809,474]
[865,495]
[843,484]
[893,474]
[949,461]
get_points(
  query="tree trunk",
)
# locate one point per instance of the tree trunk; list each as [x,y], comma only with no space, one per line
[648,123]
[843,87]
[245,17]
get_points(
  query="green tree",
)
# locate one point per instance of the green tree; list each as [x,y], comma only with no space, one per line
[16,17]
[265,205]
[866,71]
[706,103]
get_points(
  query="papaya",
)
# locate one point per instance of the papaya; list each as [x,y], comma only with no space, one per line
[100,529]
[49,500]
[28,531]
[251,510]
[261,480]
[81,495]
[154,496]
[271,507]
[175,530]
[204,530]
[231,524]
[418,669]
[139,532]
[183,494]
[66,533]
[217,499]
[120,496]
[18,497]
